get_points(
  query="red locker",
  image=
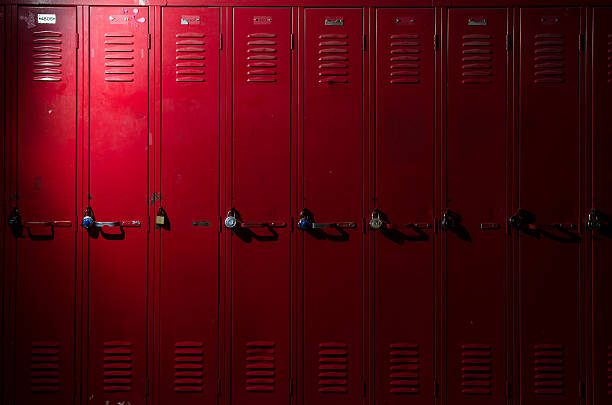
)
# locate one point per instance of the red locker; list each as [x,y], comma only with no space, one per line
[45,199]
[189,219]
[474,246]
[404,203]
[598,221]
[119,140]
[333,200]
[549,200]
[261,189]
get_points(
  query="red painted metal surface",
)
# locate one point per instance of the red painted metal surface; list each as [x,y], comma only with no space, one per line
[475,244]
[189,222]
[45,178]
[403,246]
[549,191]
[601,202]
[260,189]
[118,173]
[332,181]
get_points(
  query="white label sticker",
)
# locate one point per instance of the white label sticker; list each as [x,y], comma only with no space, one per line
[47,19]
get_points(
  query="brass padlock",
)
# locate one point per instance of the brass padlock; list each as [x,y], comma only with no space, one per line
[160,218]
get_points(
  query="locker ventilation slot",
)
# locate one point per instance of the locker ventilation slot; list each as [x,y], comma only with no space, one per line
[476,369]
[119,57]
[609,370]
[190,57]
[261,58]
[333,367]
[260,366]
[404,374]
[405,58]
[117,366]
[549,370]
[477,58]
[47,56]
[188,366]
[610,60]
[549,58]
[333,58]
[44,369]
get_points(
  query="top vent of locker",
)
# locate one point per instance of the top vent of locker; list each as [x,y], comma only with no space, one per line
[118,57]
[549,58]
[333,58]
[477,67]
[405,58]
[261,57]
[190,57]
[47,56]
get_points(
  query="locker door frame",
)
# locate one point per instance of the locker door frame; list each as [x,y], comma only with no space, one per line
[368,22]
[443,237]
[517,385]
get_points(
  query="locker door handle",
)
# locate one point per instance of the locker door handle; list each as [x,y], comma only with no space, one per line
[343,225]
[121,224]
[524,220]
[379,221]
[58,224]
[263,224]
[490,226]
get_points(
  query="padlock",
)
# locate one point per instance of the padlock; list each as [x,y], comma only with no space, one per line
[376,222]
[230,221]
[88,219]
[160,218]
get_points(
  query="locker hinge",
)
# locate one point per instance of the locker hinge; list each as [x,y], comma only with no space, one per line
[147,388]
[149,39]
[148,223]
[365,43]
[581,389]
[364,387]
[508,389]
[291,223]
[77,40]
[292,42]
[220,41]
[508,42]
[581,43]
[436,42]
[436,389]
[291,387]
[220,226]
[218,387]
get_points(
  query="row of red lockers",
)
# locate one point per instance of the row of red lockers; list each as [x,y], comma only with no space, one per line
[374,250]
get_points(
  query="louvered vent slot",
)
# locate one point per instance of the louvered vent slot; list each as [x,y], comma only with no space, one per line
[47,56]
[333,367]
[404,373]
[190,57]
[117,366]
[477,58]
[44,368]
[476,369]
[549,58]
[549,369]
[610,370]
[188,366]
[261,57]
[405,58]
[610,58]
[333,58]
[119,57]
[260,366]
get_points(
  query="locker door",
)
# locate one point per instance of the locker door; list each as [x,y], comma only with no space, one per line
[189,191]
[46,179]
[403,245]
[549,194]
[602,206]
[332,182]
[118,151]
[474,220]
[260,187]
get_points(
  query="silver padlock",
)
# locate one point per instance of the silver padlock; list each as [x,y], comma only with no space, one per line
[230,220]
[376,222]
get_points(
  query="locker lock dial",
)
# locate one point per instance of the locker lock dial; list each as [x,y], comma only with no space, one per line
[231,222]
[595,221]
[376,222]
[14,221]
[88,219]
[305,221]
[450,221]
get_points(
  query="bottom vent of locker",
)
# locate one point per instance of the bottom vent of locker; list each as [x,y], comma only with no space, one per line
[476,369]
[117,366]
[260,366]
[188,366]
[610,370]
[549,369]
[404,373]
[44,369]
[333,367]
